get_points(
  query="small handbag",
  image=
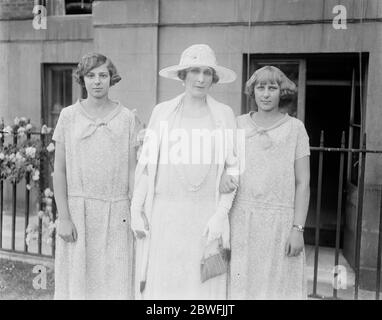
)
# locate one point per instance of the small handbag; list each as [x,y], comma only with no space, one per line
[215,264]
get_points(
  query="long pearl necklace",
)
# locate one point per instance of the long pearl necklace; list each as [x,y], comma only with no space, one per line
[193,187]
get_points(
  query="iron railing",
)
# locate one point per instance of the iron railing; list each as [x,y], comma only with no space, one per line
[361,153]
[43,183]
[321,150]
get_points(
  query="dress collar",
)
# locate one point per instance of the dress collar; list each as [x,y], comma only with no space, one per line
[104,119]
[93,124]
[273,126]
[214,106]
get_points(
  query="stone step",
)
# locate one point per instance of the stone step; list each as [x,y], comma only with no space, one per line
[325,270]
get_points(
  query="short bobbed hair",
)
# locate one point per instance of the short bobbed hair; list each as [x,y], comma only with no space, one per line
[271,74]
[183,73]
[94,60]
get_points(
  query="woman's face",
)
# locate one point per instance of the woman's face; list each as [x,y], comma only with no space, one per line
[267,96]
[97,82]
[198,81]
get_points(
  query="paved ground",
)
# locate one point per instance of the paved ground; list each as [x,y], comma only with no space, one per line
[20,281]
[325,275]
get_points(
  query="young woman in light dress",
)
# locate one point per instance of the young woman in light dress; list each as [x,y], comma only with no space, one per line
[269,212]
[93,179]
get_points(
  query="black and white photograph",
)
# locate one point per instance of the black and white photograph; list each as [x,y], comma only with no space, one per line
[197,150]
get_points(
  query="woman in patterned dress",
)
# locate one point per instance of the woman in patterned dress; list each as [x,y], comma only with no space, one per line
[93,177]
[176,205]
[269,212]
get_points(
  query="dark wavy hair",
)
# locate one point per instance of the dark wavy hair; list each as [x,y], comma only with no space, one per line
[93,60]
[183,73]
[273,75]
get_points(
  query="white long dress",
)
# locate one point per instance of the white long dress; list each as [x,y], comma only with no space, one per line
[178,221]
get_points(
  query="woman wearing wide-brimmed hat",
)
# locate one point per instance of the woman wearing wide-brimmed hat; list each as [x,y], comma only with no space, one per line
[177,210]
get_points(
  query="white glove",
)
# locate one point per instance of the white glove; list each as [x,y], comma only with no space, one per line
[218,226]
[139,222]
[139,225]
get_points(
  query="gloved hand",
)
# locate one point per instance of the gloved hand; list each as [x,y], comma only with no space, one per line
[218,226]
[139,221]
[139,224]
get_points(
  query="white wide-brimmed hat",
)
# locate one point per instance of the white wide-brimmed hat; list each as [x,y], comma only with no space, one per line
[199,55]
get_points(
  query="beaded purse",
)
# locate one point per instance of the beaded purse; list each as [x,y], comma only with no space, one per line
[215,264]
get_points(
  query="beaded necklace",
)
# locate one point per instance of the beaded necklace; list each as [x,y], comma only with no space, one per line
[193,187]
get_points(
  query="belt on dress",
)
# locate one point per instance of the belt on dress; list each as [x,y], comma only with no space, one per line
[92,197]
[109,200]
[266,205]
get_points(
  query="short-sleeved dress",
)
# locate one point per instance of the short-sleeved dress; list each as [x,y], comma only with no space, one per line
[99,264]
[263,212]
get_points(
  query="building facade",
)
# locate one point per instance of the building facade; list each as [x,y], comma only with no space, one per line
[332,49]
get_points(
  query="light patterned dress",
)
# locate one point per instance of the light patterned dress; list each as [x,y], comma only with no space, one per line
[99,264]
[263,212]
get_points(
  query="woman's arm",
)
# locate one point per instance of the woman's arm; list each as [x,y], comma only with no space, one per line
[139,222]
[135,127]
[66,229]
[132,165]
[302,195]
[295,243]
[218,224]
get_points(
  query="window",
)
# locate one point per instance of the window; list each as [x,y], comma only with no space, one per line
[59,91]
[78,6]
[66,7]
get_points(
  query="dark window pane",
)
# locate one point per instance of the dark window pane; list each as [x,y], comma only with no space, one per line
[57,97]
[78,6]
[357,106]
[68,82]
[355,156]
[59,86]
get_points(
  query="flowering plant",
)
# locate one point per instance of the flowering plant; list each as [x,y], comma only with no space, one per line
[22,158]
[16,160]
[48,222]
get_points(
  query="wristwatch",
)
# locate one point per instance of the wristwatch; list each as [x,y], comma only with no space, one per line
[298,227]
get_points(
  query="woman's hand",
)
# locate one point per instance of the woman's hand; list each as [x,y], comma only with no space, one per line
[228,183]
[140,139]
[139,225]
[141,135]
[295,243]
[66,230]
[216,229]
